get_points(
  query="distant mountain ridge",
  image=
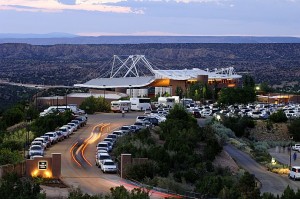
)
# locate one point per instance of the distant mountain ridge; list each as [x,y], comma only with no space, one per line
[35,36]
[64,38]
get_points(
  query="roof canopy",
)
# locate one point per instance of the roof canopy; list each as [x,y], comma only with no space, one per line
[128,73]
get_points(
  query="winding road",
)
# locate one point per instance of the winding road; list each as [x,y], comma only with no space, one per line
[270,182]
[78,155]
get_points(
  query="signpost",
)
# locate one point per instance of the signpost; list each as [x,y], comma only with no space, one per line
[42,165]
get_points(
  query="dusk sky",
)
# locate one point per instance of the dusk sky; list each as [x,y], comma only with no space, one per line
[152,17]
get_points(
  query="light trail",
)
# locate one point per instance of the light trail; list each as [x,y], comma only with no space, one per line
[91,139]
[72,154]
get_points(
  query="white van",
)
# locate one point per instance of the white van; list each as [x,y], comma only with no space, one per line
[295,172]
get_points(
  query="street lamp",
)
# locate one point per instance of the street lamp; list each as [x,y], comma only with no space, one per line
[291,138]
[104,91]
[67,98]
[57,103]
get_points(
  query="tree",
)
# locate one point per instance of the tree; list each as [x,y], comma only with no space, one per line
[92,105]
[294,129]
[278,117]
[9,157]
[247,187]
[179,92]
[13,116]
[13,187]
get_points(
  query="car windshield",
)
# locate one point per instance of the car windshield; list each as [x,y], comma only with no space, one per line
[35,148]
[109,163]
[50,135]
[104,157]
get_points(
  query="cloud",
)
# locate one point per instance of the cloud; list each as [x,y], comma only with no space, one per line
[186,1]
[56,6]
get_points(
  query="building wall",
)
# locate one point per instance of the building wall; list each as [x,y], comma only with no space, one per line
[53,169]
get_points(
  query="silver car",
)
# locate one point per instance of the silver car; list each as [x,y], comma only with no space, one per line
[36,150]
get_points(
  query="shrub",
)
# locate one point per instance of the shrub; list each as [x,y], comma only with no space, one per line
[139,172]
[9,157]
[278,117]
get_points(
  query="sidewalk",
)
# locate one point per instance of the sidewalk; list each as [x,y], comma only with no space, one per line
[282,155]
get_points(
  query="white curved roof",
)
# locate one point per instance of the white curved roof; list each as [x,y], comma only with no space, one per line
[121,82]
[125,82]
[192,74]
[179,74]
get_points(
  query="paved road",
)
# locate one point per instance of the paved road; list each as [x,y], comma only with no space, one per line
[282,155]
[88,176]
[270,182]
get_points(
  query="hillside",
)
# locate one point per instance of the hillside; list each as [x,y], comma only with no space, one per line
[71,64]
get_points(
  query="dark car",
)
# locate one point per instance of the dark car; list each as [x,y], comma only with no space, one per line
[196,114]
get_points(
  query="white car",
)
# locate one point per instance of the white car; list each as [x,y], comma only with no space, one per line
[53,137]
[43,140]
[103,145]
[40,143]
[36,150]
[65,131]
[295,173]
[296,147]
[108,166]
[100,157]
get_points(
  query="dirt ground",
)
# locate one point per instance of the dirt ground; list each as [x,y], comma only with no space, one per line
[225,161]
[277,132]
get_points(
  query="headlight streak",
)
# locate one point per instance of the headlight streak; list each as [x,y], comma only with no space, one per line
[91,139]
[72,154]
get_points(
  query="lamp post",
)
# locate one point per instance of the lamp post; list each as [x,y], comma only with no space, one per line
[28,120]
[57,102]
[291,138]
[257,88]
[66,98]
[104,91]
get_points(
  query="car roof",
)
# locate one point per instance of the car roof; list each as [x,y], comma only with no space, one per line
[35,145]
[108,160]
[296,167]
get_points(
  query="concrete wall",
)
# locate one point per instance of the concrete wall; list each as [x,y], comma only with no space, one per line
[127,160]
[10,168]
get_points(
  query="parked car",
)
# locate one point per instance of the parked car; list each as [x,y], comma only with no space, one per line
[76,122]
[294,173]
[36,150]
[296,147]
[40,143]
[43,140]
[111,140]
[71,128]
[113,136]
[100,157]
[53,137]
[134,128]
[141,125]
[103,145]
[65,131]
[47,138]
[118,133]
[60,136]
[108,166]
[82,120]
[140,118]
[126,129]
[74,125]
